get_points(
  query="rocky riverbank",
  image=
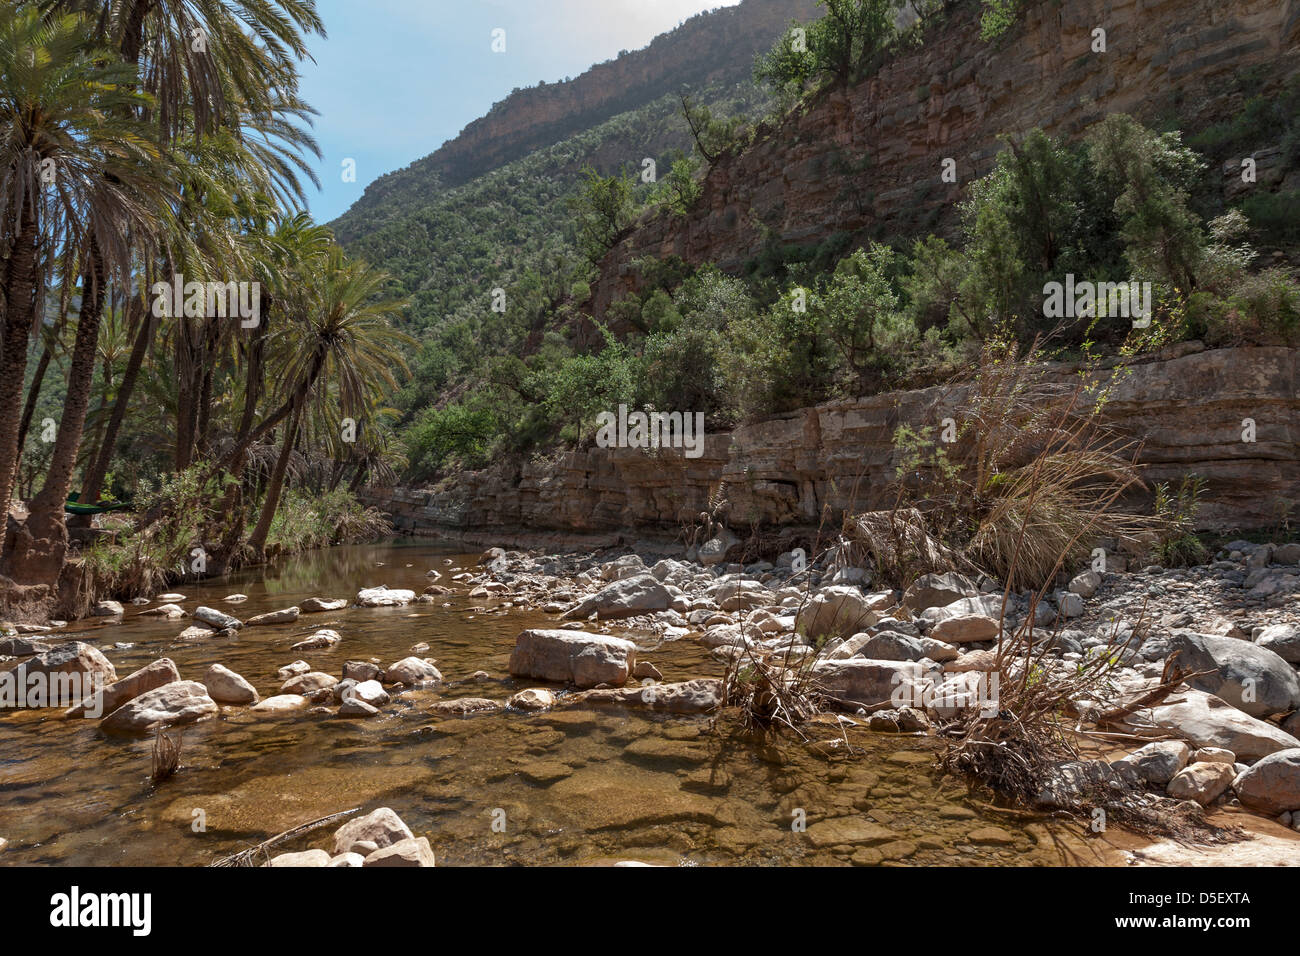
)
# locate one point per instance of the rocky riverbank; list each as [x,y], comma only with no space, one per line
[884,661]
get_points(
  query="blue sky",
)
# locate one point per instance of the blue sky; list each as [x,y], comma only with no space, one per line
[397,78]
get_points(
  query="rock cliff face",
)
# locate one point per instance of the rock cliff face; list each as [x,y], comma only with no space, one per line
[719,46]
[1188,410]
[869,158]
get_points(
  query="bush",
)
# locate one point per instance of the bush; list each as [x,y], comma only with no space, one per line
[1029,478]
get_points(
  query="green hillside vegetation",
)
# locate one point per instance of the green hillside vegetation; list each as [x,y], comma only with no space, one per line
[805,323]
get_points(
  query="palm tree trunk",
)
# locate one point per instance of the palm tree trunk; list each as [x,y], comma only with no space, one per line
[29,407]
[272,501]
[20,312]
[46,531]
[94,477]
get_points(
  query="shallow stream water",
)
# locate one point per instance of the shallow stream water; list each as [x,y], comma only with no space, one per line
[581,785]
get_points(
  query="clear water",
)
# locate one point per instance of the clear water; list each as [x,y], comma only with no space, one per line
[573,786]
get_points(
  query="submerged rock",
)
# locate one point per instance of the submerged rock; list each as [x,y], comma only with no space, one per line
[532,698]
[465,707]
[699,696]
[170,611]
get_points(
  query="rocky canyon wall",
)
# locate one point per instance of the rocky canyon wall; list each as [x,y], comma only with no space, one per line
[1188,410]
[868,159]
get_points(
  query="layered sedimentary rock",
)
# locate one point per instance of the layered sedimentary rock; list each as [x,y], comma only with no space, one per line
[1188,411]
[868,159]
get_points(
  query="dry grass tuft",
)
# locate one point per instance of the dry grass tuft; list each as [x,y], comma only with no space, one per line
[166,755]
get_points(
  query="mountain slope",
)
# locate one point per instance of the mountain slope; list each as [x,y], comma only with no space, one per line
[711,50]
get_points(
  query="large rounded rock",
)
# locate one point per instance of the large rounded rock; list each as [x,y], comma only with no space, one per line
[576,657]
[714,551]
[875,684]
[840,610]
[410,671]
[160,672]
[307,858]
[1283,640]
[892,646]
[623,598]
[180,702]
[280,703]
[285,615]
[382,827]
[1202,782]
[1157,762]
[1250,677]
[1207,721]
[383,596]
[216,619]
[413,852]
[307,684]
[938,590]
[66,673]
[1272,785]
[226,687]
[966,620]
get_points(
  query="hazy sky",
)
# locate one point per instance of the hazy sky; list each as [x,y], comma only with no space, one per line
[397,78]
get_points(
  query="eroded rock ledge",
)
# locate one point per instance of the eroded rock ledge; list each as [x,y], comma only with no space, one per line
[1187,408]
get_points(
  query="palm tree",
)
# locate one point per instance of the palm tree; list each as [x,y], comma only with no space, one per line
[338,332]
[73,168]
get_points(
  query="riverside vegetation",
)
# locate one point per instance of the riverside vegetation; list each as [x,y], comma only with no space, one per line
[137,176]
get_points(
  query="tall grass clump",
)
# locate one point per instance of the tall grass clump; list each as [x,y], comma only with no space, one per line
[1016,478]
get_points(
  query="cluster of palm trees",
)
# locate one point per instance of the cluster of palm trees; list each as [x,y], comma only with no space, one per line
[142,140]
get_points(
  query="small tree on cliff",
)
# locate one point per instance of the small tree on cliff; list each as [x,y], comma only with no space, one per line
[603,211]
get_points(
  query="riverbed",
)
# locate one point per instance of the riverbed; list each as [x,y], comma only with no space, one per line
[582,785]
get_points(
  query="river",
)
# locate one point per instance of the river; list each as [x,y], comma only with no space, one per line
[579,785]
